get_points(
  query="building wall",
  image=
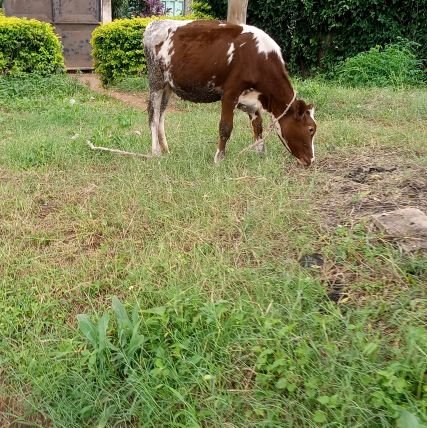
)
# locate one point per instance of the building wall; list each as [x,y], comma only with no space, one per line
[177,7]
[73,20]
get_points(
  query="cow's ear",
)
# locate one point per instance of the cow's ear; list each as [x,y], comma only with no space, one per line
[299,109]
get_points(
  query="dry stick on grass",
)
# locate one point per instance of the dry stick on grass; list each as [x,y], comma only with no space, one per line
[117,151]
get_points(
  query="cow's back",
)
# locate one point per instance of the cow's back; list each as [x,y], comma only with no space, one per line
[199,58]
[157,31]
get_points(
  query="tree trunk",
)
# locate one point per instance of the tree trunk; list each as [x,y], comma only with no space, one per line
[237,11]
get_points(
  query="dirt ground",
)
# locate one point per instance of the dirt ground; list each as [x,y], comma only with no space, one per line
[92,81]
[361,185]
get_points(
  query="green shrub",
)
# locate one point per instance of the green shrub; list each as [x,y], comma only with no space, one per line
[317,34]
[118,50]
[29,46]
[395,65]
[202,10]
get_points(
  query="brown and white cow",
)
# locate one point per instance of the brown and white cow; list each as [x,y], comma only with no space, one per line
[239,65]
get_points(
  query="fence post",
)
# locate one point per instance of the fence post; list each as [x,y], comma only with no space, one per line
[237,10]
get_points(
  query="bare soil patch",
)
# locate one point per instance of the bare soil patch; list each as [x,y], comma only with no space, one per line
[359,185]
[349,190]
[92,81]
[136,100]
[14,412]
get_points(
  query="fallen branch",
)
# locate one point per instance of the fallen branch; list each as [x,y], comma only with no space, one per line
[117,151]
[247,177]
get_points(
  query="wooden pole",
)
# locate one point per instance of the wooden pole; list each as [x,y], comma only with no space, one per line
[106,11]
[237,10]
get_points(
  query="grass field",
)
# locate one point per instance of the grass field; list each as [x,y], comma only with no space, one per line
[198,311]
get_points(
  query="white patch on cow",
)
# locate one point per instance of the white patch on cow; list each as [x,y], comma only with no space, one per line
[312,149]
[219,156]
[251,100]
[222,25]
[166,51]
[158,31]
[161,32]
[230,53]
[162,134]
[311,113]
[243,44]
[265,44]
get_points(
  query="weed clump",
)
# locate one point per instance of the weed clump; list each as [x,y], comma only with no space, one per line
[394,65]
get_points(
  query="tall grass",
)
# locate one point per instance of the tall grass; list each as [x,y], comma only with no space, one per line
[394,65]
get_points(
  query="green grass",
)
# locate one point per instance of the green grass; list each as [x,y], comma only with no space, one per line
[224,328]
[131,84]
[393,65]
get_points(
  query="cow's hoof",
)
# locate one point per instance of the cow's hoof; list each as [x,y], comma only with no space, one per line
[259,148]
[219,156]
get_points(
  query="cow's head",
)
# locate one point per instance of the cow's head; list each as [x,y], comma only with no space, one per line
[296,130]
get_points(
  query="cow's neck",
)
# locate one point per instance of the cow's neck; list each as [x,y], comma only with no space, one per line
[278,96]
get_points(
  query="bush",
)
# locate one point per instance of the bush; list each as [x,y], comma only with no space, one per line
[316,34]
[29,46]
[202,10]
[395,65]
[118,50]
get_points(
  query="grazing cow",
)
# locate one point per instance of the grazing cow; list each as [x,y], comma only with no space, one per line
[239,65]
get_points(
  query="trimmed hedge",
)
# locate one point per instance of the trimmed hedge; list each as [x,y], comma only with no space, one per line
[118,50]
[29,46]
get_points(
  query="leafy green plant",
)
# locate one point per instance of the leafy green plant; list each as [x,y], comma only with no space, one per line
[154,349]
[394,65]
[29,46]
[202,10]
[134,8]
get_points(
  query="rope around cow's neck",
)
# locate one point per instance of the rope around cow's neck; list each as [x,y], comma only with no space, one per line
[274,122]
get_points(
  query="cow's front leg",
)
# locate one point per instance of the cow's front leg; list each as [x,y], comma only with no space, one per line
[225,127]
[256,123]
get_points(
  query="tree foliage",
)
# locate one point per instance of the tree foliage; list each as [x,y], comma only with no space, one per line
[128,8]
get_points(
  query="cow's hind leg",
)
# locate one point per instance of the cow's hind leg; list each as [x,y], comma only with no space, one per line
[154,105]
[163,105]
[256,123]
[157,85]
